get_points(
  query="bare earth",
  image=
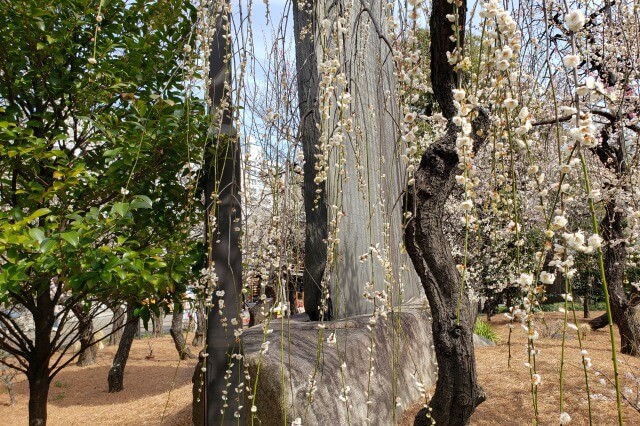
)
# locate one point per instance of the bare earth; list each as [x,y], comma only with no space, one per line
[78,396]
[508,390]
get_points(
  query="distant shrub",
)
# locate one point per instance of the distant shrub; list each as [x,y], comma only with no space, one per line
[554,307]
[485,330]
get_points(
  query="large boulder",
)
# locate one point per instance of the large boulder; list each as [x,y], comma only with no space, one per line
[403,357]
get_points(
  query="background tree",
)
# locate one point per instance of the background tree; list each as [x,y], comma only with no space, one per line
[98,142]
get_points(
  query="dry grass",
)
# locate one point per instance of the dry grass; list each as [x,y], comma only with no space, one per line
[78,396]
[508,389]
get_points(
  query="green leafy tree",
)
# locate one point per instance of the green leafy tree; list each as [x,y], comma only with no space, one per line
[100,141]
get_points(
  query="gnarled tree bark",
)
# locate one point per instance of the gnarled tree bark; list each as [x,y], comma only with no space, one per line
[198,335]
[615,257]
[457,391]
[612,156]
[177,334]
[116,373]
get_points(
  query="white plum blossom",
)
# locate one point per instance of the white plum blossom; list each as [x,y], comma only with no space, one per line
[536,379]
[466,205]
[559,222]
[526,280]
[458,94]
[547,278]
[595,241]
[510,103]
[575,20]
[571,61]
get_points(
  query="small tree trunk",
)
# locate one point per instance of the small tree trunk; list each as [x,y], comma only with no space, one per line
[38,394]
[177,334]
[116,373]
[585,306]
[138,329]
[198,336]
[88,351]
[157,324]
[117,323]
[490,309]
[38,371]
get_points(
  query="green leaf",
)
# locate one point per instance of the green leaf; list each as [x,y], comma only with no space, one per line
[141,202]
[121,208]
[36,234]
[40,23]
[37,214]
[71,237]
[46,245]
[106,276]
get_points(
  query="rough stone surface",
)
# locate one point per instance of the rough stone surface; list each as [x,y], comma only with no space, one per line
[402,355]
[480,341]
[368,185]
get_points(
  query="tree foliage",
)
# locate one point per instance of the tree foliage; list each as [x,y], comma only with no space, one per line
[101,140]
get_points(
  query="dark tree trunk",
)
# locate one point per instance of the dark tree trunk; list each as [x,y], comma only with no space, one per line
[38,394]
[615,257]
[178,335]
[117,323]
[222,241]
[599,322]
[457,392]
[38,371]
[198,393]
[490,309]
[88,351]
[315,208]
[116,373]
[198,335]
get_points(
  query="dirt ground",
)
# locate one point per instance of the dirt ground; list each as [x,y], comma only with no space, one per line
[508,389]
[78,396]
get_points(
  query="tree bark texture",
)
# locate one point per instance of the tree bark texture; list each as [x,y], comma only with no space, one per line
[599,322]
[457,391]
[88,350]
[198,335]
[38,371]
[222,241]
[157,324]
[117,322]
[585,306]
[177,334]
[116,373]
[315,207]
[615,257]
